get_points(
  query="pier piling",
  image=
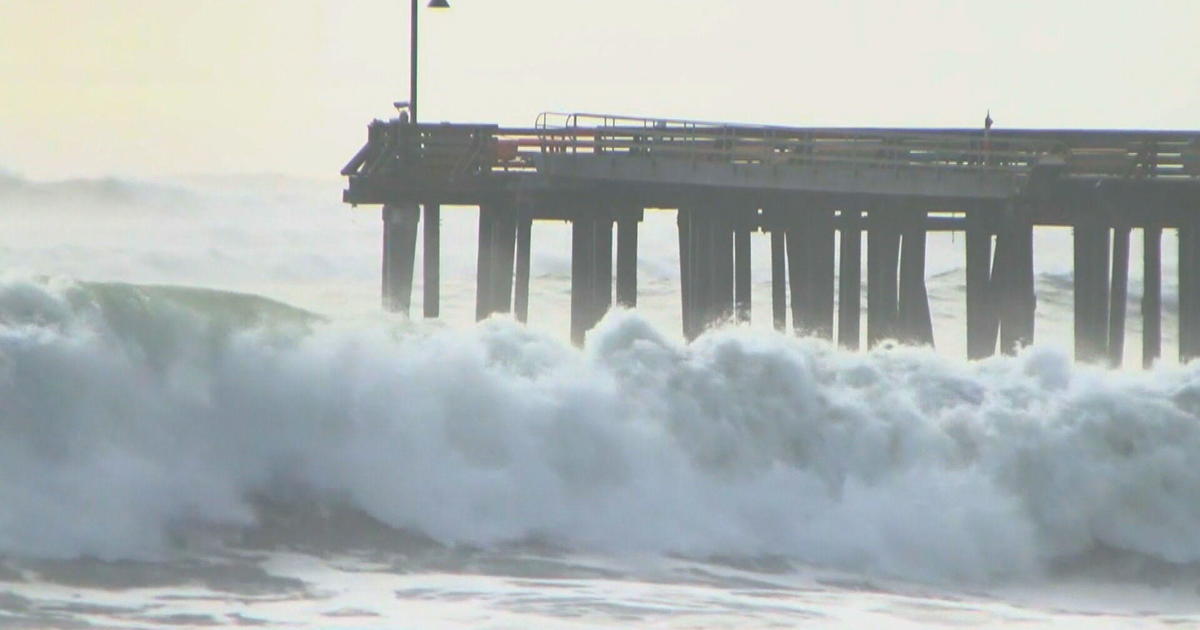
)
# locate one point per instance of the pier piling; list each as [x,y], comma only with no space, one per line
[822,243]
[399,255]
[1091,237]
[1118,295]
[431,261]
[981,315]
[742,282]
[687,289]
[913,301]
[602,267]
[483,263]
[627,251]
[1189,289]
[850,279]
[883,252]
[815,191]
[521,290]
[583,291]
[722,263]
[810,255]
[505,244]
[779,302]
[1012,281]
[1151,295]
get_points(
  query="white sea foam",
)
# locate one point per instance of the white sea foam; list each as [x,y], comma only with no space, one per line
[128,412]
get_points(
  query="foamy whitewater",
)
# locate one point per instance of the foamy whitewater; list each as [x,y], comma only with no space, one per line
[179,456]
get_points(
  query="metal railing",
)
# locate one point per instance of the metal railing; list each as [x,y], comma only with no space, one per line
[457,151]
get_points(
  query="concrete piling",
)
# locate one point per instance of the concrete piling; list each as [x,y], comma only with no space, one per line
[981,314]
[483,263]
[1118,295]
[495,261]
[1013,281]
[883,251]
[504,248]
[742,282]
[1189,289]
[850,280]
[602,267]
[716,274]
[1151,295]
[627,251]
[803,186]
[431,261]
[1091,236]
[914,321]
[810,256]
[583,291]
[687,295]
[721,261]
[399,255]
[521,290]
[779,302]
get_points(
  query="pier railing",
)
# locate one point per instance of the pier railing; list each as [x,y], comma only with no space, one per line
[451,152]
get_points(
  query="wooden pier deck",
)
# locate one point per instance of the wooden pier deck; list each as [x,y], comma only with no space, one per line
[817,192]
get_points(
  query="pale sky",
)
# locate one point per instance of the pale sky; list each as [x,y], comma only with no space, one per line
[164,87]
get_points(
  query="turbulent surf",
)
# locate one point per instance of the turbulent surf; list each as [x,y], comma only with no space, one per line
[141,421]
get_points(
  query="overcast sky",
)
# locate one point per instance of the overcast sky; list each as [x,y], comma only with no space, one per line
[163,87]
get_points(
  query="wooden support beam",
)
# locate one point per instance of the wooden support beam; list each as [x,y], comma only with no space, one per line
[1118,295]
[883,250]
[1091,236]
[627,250]
[602,267]
[810,258]
[504,238]
[1151,295]
[742,282]
[431,261]
[850,280]
[485,259]
[778,278]
[1026,280]
[701,258]
[799,262]
[683,221]
[1012,280]
[1081,238]
[1002,289]
[399,255]
[385,267]
[583,254]
[915,325]
[722,264]
[821,272]
[981,315]
[697,272]
[1189,290]
[521,291]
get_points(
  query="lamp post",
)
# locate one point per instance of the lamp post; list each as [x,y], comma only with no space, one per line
[412,69]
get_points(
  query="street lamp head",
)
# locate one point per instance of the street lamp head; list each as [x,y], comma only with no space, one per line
[439,4]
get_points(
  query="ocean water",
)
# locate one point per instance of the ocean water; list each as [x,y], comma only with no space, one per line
[205,420]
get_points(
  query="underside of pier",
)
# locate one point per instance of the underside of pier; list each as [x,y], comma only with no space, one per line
[822,196]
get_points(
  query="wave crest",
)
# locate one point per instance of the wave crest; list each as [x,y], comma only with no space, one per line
[129,412]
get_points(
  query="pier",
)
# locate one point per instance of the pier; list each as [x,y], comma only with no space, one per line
[821,194]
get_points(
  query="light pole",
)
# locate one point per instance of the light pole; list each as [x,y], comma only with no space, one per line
[412,69]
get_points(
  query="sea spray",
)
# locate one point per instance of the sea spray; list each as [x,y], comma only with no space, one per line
[127,413]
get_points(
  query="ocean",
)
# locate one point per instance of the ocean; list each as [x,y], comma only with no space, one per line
[206,420]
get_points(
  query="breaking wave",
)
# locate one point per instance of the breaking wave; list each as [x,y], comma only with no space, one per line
[130,413]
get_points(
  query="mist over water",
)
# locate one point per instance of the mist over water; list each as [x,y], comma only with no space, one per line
[143,420]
